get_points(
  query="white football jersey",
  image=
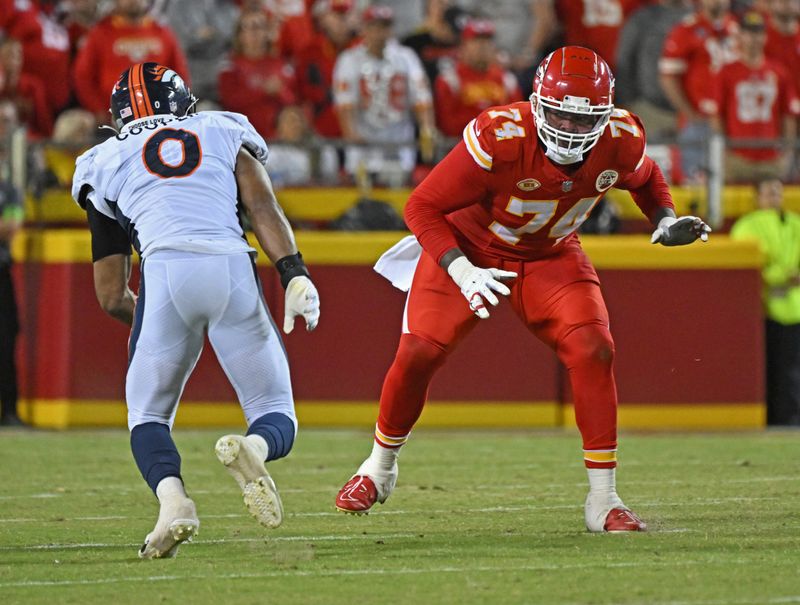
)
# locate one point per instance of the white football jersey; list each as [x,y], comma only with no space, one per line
[384,90]
[169,181]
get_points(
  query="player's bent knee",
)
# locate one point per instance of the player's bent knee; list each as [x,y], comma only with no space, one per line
[278,430]
[418,354]
[589,343]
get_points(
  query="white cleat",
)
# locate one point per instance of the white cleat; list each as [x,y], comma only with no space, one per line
[246,466]
[177,523]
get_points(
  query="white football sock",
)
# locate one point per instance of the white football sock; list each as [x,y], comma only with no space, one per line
[383,457]
[260,444]
[169,488]
[602,480]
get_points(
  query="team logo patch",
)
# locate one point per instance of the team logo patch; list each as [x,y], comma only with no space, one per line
[566,186]
[606,179]
[528,184]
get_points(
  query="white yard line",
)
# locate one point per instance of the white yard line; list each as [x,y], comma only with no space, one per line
[449,511]
[392,572]
[265,538]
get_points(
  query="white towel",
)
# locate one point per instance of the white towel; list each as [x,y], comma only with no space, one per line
[399,262]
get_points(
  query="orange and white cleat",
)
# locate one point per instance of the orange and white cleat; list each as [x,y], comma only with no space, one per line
[357,496]
[621,519]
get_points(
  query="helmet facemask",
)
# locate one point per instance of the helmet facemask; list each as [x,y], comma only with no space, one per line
[563,146]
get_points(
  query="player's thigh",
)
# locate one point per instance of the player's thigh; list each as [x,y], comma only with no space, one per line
[248,345]
[436,310]
[166,339]
[558,294]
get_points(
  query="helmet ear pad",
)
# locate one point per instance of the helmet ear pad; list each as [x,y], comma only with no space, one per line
[147,89]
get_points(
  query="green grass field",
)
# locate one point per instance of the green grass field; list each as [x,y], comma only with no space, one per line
[477,517]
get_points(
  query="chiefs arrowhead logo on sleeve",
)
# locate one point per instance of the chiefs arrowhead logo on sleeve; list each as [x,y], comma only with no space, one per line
[606,179]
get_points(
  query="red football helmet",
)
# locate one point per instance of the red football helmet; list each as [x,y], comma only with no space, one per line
[573,86]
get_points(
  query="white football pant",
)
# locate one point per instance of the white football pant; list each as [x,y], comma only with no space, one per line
[182,295]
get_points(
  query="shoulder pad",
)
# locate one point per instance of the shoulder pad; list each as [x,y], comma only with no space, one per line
[625,132]
[244,132]
[496,134]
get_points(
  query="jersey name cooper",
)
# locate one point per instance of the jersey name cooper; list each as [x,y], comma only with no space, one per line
[169,181]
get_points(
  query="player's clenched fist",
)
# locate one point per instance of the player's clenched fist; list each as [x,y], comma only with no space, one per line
[301,298]
[479,284]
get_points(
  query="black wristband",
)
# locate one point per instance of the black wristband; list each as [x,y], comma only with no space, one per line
[290,267]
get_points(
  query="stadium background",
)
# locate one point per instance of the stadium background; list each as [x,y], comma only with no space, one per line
[687,323]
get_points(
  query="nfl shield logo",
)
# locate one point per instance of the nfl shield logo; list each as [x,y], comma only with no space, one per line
[566,186]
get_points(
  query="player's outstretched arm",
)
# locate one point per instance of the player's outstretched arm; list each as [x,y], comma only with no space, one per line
[677,231]
[477,284]
[275,236]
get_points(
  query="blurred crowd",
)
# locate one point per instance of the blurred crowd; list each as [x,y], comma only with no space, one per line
[343,87]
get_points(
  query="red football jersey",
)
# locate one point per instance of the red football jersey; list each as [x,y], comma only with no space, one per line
[595,24]
[695,50]
[784,49]
[461,92]
[498,193]
[242,89]
[112,46]
[752,102]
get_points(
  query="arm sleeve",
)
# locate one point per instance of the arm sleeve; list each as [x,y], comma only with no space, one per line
[456,182]
[648,187]
[108,236]
[345,81]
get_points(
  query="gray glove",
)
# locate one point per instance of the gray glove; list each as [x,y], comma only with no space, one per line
[680,231]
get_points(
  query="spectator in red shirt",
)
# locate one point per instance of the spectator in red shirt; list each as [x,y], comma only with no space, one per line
[474,83]
[45,46]
[595,24]
[693,52]
[315,62]
[129,35]
[26,91]
[783,36]
[754,98]
[257,82]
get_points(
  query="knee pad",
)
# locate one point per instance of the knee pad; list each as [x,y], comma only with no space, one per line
[419,354]
[589,343]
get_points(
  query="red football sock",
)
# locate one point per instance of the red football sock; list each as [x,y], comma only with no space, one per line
[405,388]
[588,354]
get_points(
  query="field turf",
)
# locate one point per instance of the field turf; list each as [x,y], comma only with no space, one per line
[477,517]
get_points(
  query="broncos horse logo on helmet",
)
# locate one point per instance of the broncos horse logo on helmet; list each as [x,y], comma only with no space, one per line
[148,89]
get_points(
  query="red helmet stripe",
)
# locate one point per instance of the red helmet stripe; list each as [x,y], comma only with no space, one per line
[145,94]
[138,91]
[132,93]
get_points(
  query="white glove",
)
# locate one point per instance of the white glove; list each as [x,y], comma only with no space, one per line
[301,298]
[680,231]
[477,284]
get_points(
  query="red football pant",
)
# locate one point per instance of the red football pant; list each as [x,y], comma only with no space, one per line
[559,300]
